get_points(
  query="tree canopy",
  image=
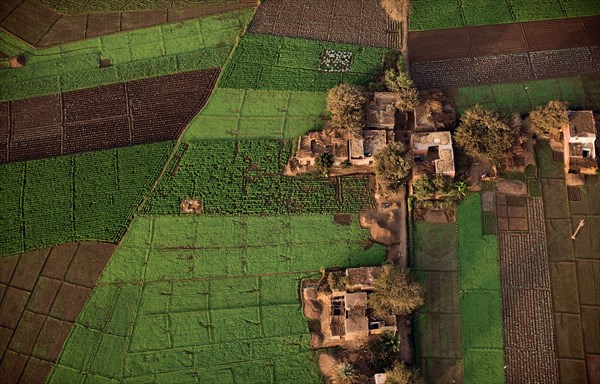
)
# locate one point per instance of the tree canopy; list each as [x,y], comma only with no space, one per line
[482,135]
[346,103]
[395,293]
[392,166]
[396,80]
[549,119]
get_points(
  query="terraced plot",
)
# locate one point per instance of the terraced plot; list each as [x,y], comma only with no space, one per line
[118,115]
[184,46]
[214,299]
[41,295]
[41,24]
[361,22]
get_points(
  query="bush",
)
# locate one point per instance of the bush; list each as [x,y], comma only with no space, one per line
[549,119]
[346,104]
[392,166]
[482,135]
[401,374]
[395,293]
[323,162]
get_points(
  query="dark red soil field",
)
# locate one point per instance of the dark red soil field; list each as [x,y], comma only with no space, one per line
[110,116]
[505,53]
[41,295]
[361,22]
[41,26]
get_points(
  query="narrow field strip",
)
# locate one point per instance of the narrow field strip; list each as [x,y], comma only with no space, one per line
[440,14]
[236,326]
[183,46]
[482,340]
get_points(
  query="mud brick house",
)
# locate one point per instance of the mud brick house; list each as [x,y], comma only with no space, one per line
[381,110]
[579,138]
[350,316]
[432,154]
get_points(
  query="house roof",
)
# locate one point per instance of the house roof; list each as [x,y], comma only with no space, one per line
[356,301]
[578,163]
[363,276]
[581,123]
[356,324]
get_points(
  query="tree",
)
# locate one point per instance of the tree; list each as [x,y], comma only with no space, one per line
[396,9]
[549,119]
[392,166]
[346,103]
[396,80]
[401,374]
[482,135]
[390,343]
[345,373]
[395,293]
[323,162]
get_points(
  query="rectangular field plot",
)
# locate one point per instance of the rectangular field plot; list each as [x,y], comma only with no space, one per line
[282,63]
[481,298]
[249,114]
[339,21]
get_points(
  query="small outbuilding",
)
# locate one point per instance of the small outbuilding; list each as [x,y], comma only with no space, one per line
[579,138]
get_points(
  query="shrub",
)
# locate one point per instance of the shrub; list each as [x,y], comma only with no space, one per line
[395,293]
[345,373]
[401,374]
[392,166]
[549,119]
[346,104]
[323,162]
[482,135]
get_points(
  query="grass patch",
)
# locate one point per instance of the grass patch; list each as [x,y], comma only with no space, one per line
[258,114]
[283,63]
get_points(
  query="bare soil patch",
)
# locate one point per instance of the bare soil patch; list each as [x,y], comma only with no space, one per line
[342,219]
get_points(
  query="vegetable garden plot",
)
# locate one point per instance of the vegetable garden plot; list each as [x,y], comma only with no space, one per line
[343,21]
[89,196]
[244,177]
[184,46]
[282,63]
[117,115]
[78,6]
[249,324]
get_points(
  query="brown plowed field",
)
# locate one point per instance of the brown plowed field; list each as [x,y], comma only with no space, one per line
[528,326]
[110,116]
[41,26]
[360,22]
[504,53]
[41,295]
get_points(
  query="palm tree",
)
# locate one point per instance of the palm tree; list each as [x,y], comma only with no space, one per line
[390,343]
[345,373]
[460,189]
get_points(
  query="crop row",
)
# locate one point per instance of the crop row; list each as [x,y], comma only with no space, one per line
[244,177]
[90,196]
[435,14]
[283,63]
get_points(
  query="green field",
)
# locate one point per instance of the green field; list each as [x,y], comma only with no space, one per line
[439,14]
[438,326]
[283,63]
[579,92]
[170,48]
[208,299]
[238,113]
[79,6]
[89,196]
[480,301]
[244,177]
